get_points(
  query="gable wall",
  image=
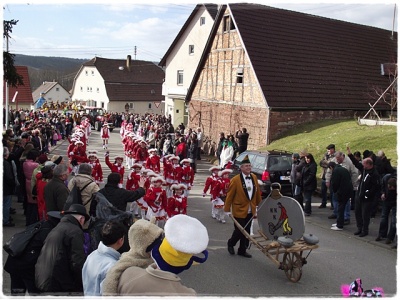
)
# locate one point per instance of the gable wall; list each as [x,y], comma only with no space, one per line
[218,103]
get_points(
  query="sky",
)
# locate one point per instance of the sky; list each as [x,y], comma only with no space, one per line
[87,29]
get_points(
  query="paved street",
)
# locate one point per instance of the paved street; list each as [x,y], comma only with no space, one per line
[340,258]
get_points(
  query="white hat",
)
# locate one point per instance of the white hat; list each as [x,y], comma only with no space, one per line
[185,160]
[214,168]
[225,171]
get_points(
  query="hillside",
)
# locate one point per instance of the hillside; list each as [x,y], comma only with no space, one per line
[43,68]
[316,136]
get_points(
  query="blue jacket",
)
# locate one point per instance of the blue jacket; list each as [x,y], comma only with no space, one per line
[96,267]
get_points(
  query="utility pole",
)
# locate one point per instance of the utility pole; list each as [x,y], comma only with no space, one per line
[134,52]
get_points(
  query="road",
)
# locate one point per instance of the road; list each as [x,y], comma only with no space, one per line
[340,258]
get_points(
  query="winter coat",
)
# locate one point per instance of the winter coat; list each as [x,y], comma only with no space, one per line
[341,183]
[226,155]
[151,282]
[60,263]
[119,197]
[28,167]
[55,194]
[369,183]
[8,178]
[309,177]
[96,267]
[81,181]
[141,235]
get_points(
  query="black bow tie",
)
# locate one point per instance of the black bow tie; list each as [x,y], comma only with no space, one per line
[248,177]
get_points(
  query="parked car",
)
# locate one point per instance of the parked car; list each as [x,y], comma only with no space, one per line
[272,166]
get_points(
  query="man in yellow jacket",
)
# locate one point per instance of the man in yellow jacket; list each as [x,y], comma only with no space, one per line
[243,197]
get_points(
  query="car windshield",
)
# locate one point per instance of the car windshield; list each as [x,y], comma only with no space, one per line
[279,163]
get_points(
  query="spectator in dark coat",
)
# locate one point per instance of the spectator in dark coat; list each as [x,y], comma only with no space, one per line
[22,268]
[220,145]
[192,153]
[55,191]
[8,188]
[367,190]
[341,185]
[243,138]
[308,182]
[119,197]
[58,270]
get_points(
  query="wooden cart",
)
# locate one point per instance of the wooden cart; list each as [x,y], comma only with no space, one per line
[291,258]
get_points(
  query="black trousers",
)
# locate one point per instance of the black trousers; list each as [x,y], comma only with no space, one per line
[238,236]
[342,201]
[363,214]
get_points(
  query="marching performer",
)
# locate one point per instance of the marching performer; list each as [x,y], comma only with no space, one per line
[211,181]
[173,173]
[105,135]
[97,171]
[218,194]
[132,183]
[156,199]
[187,175]
[153,161]
[177,204]
[116,167]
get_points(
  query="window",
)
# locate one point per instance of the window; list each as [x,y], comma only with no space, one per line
[228,24]
[57,89]
[98,90]
[92,73]
[81,89]
[131,106]
[102,104]
[149,105]
[87,89]
[239,75]
[86,73]
[202,21]
[180,77]
[191,49]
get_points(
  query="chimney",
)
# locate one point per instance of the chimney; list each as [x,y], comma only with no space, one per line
[128,63]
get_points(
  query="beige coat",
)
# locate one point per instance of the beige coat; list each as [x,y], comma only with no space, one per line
[87,193]
[141,235]
[151,282]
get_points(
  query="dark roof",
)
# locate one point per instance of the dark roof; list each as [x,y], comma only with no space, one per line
[24,91]
[212,10]
[306,61]
[142,83]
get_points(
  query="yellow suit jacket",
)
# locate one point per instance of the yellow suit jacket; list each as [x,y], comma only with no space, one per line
[237,197]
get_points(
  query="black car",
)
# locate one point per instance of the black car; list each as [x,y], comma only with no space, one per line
[270,167]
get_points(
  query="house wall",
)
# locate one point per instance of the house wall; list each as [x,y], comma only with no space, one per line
[219,102]
[61,95]
[89,85]
[180,59]
[141,107]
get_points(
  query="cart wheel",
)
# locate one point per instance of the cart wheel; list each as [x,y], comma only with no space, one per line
[292,265]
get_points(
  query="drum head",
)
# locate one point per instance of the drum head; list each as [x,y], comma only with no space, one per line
[281,216]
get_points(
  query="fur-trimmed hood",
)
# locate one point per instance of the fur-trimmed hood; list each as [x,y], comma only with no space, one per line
[141,235]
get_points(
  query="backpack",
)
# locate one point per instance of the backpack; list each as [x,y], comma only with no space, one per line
[75,196]
[16,245]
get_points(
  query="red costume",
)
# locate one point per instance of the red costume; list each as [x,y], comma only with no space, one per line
[177,204]
[153,162]
[116,167]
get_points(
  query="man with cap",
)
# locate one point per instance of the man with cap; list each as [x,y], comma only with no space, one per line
[56,192]
[184,238]
[58,270]
[241,201]
[328,157]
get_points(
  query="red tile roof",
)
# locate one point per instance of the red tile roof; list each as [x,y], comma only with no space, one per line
[24,95]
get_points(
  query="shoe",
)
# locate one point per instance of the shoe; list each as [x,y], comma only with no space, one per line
[245,254]
[362,234]
[231,250]
[322,206]
[357,232]
[379,238]
[346,222]
[332,217]
[333,225]
[336,228]
[223,221]
[388,241]
[9,224]
[213,216]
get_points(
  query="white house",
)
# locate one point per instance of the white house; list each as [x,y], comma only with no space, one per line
[52,92]
[118,85]
[182,58]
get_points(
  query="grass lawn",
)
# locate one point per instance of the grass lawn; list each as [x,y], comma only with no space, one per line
[314,137]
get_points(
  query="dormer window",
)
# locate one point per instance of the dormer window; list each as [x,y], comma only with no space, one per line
[202,21]
[191,49]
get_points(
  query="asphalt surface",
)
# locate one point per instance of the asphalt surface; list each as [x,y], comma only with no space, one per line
[319,217]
